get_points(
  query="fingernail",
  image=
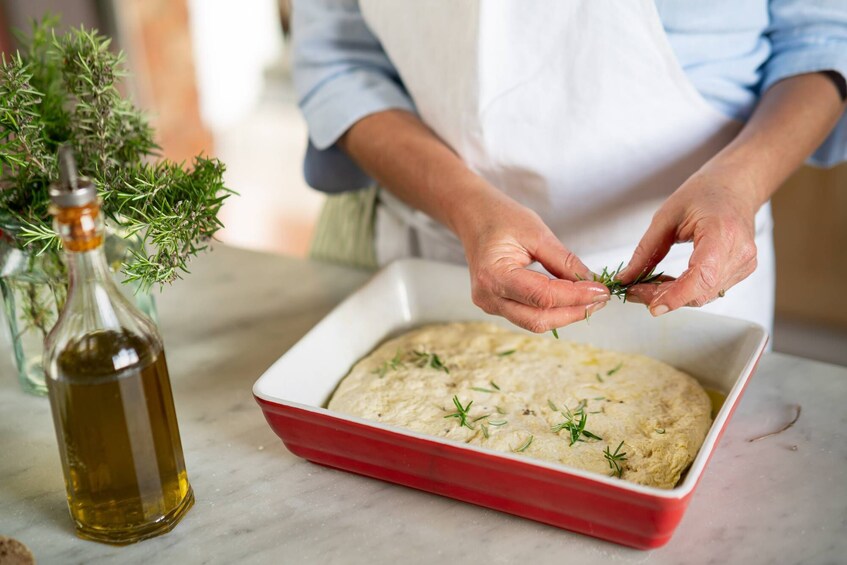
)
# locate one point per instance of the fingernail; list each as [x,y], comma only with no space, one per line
[594,307]
[601,297]
[659,310]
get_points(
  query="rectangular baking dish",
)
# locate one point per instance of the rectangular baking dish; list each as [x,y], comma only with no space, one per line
[721,352]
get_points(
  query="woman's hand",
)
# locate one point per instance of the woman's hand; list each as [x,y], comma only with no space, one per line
[501,238]
[715,209]
[501,241]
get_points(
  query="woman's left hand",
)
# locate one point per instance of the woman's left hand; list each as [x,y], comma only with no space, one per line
[715,208]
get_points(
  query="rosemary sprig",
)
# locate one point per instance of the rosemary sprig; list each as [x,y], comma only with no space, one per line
[424,359]
[389,365]
[64,88]
[555,333]
[574,426]
[483,389]
[610,279]
[461,413]
[615,459]
[506,353]
[615,370]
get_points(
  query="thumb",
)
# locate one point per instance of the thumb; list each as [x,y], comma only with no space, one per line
[650,251]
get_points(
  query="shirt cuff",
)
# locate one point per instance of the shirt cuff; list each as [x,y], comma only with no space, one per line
[347,98]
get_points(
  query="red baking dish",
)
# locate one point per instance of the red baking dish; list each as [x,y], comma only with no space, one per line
[721,352]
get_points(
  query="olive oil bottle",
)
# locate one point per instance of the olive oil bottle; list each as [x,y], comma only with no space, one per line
[109,389]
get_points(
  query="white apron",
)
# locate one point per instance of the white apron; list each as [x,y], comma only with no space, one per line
[577,109]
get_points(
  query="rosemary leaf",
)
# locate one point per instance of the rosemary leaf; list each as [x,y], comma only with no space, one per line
[524,445]
[615,370]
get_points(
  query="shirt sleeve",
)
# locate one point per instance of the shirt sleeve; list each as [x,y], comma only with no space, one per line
[810,36]
[341,74]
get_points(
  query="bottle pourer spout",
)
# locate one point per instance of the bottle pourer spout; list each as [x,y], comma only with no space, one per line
[71,190]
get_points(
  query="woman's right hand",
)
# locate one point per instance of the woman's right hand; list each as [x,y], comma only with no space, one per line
[501,240]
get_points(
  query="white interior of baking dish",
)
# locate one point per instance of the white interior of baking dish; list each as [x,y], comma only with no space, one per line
[719,351]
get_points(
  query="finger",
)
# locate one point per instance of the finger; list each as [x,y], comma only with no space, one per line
[537,290]
[645,293]
[538,320]
[701,281]
[650,251]
[560,261]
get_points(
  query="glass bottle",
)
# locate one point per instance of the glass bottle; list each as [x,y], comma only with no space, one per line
[109,389]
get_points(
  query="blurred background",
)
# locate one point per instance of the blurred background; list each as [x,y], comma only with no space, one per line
[214,76]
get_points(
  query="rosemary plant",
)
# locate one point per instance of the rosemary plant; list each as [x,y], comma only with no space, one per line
[63,89]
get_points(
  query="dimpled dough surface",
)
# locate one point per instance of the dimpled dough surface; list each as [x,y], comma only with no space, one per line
[660,413]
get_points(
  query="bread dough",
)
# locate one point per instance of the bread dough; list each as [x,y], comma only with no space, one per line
[527,395]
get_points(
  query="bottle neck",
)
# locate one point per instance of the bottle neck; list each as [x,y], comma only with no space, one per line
[88,266]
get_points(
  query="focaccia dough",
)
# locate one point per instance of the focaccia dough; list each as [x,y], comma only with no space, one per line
[522,386]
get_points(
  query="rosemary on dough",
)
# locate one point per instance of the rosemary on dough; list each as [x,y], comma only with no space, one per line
[390,365]
[506,353]
[424,359]
[575,424]
[461,413]
[494,388]
[524,445]
[615,370]
[615,459]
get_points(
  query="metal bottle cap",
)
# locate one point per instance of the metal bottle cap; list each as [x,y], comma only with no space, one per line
[71,190]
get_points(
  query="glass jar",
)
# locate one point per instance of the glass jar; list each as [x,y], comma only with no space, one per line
[34,288]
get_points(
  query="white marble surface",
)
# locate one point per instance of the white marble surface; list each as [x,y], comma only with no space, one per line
[779,500]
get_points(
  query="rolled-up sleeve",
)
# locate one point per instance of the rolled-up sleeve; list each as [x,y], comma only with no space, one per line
[341,74]
[809,36]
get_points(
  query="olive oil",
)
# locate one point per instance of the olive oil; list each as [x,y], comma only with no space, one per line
[119,439]
[109,389]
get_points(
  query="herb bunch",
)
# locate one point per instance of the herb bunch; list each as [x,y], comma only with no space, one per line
[63,89]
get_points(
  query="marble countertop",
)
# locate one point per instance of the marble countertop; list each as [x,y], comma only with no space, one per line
[779,500]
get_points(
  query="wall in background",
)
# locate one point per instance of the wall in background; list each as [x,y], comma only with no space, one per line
[810,215]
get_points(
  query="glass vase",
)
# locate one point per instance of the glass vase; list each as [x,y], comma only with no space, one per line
[34,288]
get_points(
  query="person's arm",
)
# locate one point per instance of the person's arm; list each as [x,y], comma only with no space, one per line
[500,237]
[341,74]
[716,207]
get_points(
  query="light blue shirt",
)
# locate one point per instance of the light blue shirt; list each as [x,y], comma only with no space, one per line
[731,50]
